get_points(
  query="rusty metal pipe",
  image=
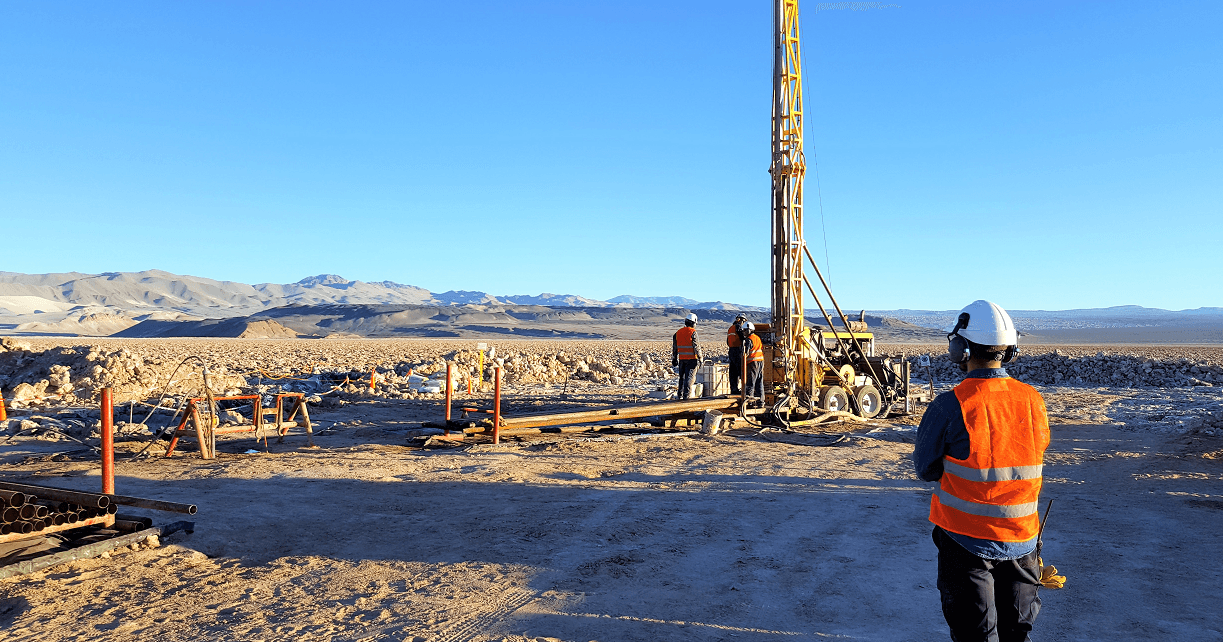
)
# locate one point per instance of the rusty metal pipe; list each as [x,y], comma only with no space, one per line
[12,498]
[88,500]
[612,413]
[126,526]
[29,511]
[154,504]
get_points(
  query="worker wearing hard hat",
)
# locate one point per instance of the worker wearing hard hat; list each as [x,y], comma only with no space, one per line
[984,442]
[753,384]
[686,355]
[734,343]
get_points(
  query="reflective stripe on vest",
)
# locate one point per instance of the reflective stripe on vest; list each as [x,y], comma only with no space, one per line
[993,494]
[732,337]
[757,351]
[683,344]
[992,474]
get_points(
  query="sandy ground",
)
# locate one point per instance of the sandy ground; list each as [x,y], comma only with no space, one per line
[648,538]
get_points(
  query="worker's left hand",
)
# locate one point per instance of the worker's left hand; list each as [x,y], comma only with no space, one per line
[1049,577]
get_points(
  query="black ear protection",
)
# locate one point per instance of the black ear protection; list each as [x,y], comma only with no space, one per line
[957,346]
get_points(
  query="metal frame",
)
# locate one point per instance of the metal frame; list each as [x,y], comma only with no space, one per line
[206,431]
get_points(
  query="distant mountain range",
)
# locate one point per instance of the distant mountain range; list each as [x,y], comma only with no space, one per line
[154,290]
[1120,316]
[156,303]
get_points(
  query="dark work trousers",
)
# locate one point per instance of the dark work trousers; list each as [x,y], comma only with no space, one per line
[736,369]
[687,376]
[984,599]
[754,383]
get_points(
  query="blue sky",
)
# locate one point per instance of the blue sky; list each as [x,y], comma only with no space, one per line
[1045,155]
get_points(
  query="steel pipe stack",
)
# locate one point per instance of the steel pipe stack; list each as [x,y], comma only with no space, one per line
[30,508]
[22,512]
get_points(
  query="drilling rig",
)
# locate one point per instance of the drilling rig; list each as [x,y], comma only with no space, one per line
[810,369]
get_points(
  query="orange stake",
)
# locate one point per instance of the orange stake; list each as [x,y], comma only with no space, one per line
[108,442]
[449,391]
[497,405]
[4,413]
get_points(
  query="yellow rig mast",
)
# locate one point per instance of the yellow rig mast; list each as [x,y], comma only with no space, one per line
[788,167]
[808,369]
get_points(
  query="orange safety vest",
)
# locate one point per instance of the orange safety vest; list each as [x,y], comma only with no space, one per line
[732,337]
[757,351]
[993,494]
[683,344]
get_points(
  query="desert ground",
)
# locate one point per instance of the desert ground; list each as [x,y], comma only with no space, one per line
[626,534]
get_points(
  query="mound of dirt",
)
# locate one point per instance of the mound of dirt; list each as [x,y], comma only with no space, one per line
[69,374]
[239,328]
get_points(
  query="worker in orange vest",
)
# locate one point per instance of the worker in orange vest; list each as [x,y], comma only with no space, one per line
[984,442]
[686,355]
[734,343]
[754,377]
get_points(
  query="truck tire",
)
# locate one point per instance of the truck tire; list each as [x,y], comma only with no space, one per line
[834,399]
[870,402]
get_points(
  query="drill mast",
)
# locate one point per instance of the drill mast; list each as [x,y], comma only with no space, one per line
[787,169]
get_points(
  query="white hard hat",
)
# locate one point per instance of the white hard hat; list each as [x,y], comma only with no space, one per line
[987,324]
[749,326]
[691,317]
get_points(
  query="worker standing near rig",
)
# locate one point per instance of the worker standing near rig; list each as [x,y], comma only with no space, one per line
[753,382]
[734,344]
[984,442]
[686,355]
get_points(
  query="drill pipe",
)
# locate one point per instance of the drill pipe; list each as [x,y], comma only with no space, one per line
[28,511]
[154,504]
[12,498]
[125,526]
[97,500]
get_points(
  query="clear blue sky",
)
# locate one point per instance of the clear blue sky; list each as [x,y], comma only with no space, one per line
[1041,154]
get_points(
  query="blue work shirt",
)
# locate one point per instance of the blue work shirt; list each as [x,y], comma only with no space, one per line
[942,432]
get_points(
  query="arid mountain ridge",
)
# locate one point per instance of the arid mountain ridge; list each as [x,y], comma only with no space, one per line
[159,304]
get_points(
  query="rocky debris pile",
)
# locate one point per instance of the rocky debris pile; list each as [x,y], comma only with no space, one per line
[1210,423]
[545,367]
[78,374]
[423,377]
[1059,368]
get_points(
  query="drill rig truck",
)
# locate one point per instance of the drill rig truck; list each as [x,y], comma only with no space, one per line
[810,369]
